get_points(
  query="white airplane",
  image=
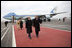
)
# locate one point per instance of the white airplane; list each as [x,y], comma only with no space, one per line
[43,16]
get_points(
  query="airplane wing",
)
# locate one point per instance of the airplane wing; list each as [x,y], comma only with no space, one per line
[40,14]
[53,14]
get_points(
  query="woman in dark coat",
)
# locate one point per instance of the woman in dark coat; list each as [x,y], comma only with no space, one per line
[29,27]
[36,24]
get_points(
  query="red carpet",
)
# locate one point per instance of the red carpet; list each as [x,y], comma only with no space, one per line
[47,38]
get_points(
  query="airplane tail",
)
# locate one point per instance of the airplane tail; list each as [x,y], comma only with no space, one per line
[54,10]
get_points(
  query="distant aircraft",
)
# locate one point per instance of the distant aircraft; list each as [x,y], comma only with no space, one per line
[43,16]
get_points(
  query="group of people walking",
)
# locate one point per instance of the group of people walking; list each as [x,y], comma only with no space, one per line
[28,25]
[19,24]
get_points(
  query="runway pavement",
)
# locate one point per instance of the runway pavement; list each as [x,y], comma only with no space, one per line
[58,24]
[6,35]
[6,32]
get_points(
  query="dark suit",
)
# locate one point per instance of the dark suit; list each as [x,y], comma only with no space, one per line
[29,27]
[21,24]
[36,24]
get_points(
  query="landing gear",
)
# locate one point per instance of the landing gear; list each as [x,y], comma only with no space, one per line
[44,20]
[49,20]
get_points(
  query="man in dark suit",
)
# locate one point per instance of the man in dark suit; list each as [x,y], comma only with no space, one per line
[36,24]
[21,23]
[29,27]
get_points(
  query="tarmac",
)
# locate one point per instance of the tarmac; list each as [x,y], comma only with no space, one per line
[53,34]
[6,35]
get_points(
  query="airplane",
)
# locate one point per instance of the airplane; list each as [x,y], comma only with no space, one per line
[43,16]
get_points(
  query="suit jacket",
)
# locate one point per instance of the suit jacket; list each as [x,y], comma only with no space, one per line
[36,24]
[29,26]
[21,24]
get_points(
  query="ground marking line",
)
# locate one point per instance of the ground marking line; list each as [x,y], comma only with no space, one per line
[13,37]
[4,29]
[4,34]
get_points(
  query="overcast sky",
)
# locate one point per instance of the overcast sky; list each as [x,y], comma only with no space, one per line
[33,7]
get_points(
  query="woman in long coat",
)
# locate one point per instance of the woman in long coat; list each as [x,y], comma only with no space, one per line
[18,24]
[29,27]
[36,24]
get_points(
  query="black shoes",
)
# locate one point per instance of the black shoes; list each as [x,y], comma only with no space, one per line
[29,37]
[37,36]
